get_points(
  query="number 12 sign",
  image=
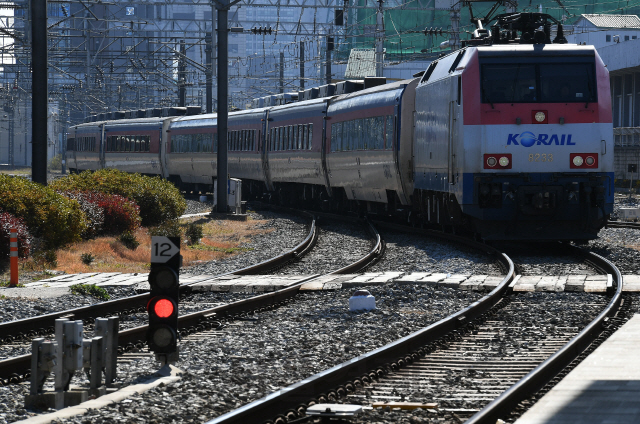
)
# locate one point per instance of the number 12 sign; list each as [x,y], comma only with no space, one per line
[163,249]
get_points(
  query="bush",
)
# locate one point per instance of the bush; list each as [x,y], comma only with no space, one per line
[47,214]
[120,213]
[168,229]
[129,240]
[93,213]
[194,233]
[42,259]
[91,290]
[87,258]
[159,200]
[56,162]
[108,213]
[25,240]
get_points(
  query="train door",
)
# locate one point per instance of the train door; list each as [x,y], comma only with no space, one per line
[454,103]
[70,155]
[162,147]
[396,149]
[323,153]
[264,143]
[401,148]
[405,138]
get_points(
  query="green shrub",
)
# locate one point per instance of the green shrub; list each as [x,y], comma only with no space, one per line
[167,229]
[129,240]
[55,162]
[159,200]
[194,233]
[107,213]
[47,214]
[91,290]
[8,284]
[41,260]
[93,213]
[87,258]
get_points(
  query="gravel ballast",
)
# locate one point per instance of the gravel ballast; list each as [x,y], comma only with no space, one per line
[284,233]
[416,253]
[339,244]
[249,359]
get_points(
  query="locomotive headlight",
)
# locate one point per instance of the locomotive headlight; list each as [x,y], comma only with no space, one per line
[590,160]
[497,161]
[540,116]
[578,161]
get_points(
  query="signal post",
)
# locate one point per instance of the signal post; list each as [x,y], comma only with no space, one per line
[164,281]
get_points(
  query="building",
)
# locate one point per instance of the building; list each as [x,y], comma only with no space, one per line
[623,61]
[604,30]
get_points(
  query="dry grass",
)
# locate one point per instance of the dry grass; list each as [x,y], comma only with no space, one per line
[16,171]
[221,239]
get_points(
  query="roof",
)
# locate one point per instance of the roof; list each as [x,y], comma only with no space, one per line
[612,21]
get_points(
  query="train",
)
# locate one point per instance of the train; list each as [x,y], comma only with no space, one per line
[509,137]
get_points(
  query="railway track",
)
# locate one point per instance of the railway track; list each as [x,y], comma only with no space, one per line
[16,369]
[623,224]
[332,384]
[432,353]
[43,324]
[13,371]
[552,366]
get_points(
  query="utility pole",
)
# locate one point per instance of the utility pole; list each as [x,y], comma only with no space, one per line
[223,7]
[40,91]
[9,108]
[328,60]
[209,71]
[65,112]
[281,72]
[454,15]
[182,75]
[301,65]
[379,39]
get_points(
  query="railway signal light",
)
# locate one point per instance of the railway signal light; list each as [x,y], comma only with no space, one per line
[261,30]
[164,281]
[433,31]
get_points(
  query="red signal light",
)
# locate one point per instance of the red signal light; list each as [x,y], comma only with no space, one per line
[164,308]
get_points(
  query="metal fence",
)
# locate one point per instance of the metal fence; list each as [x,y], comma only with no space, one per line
[626,136]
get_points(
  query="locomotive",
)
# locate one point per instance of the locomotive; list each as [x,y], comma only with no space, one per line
[508,138]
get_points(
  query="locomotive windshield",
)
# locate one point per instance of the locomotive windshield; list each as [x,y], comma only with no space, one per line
[543,81]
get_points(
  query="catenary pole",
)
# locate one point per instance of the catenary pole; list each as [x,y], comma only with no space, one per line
[223,7]
[40,94]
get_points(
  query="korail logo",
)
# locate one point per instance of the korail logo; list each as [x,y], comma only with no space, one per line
[528,139]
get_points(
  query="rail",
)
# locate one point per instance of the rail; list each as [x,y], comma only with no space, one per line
[16,369]
[31,327]
[404,349]
[622,224]
[546,371]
